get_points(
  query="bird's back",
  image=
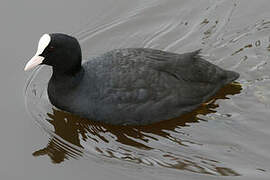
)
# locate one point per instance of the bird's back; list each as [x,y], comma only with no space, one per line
[141,86]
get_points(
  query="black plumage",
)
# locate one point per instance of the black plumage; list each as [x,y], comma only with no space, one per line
[130,86]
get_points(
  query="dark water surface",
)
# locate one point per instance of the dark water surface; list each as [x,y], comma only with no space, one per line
[227,136]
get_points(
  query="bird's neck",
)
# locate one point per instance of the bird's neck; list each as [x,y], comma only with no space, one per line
[66,79]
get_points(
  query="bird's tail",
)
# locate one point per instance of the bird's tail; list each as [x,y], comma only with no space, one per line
[231,76]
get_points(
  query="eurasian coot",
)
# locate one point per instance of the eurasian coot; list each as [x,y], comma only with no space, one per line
[135,86]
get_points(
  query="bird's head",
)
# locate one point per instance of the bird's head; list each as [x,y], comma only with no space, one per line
[60,51]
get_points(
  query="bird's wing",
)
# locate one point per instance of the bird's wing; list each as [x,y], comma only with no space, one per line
[141,75]
[196,79]
[189,67]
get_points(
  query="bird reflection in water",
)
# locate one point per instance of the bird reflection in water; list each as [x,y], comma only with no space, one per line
[71,133]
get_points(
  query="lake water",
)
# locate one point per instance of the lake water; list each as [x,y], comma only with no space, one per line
[227,136]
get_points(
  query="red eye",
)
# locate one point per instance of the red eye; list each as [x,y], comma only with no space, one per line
[51,48]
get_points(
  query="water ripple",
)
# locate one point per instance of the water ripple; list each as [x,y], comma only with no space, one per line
[226,136]
[163,144]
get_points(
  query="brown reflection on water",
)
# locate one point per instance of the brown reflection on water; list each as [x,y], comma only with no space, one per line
[70,131]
